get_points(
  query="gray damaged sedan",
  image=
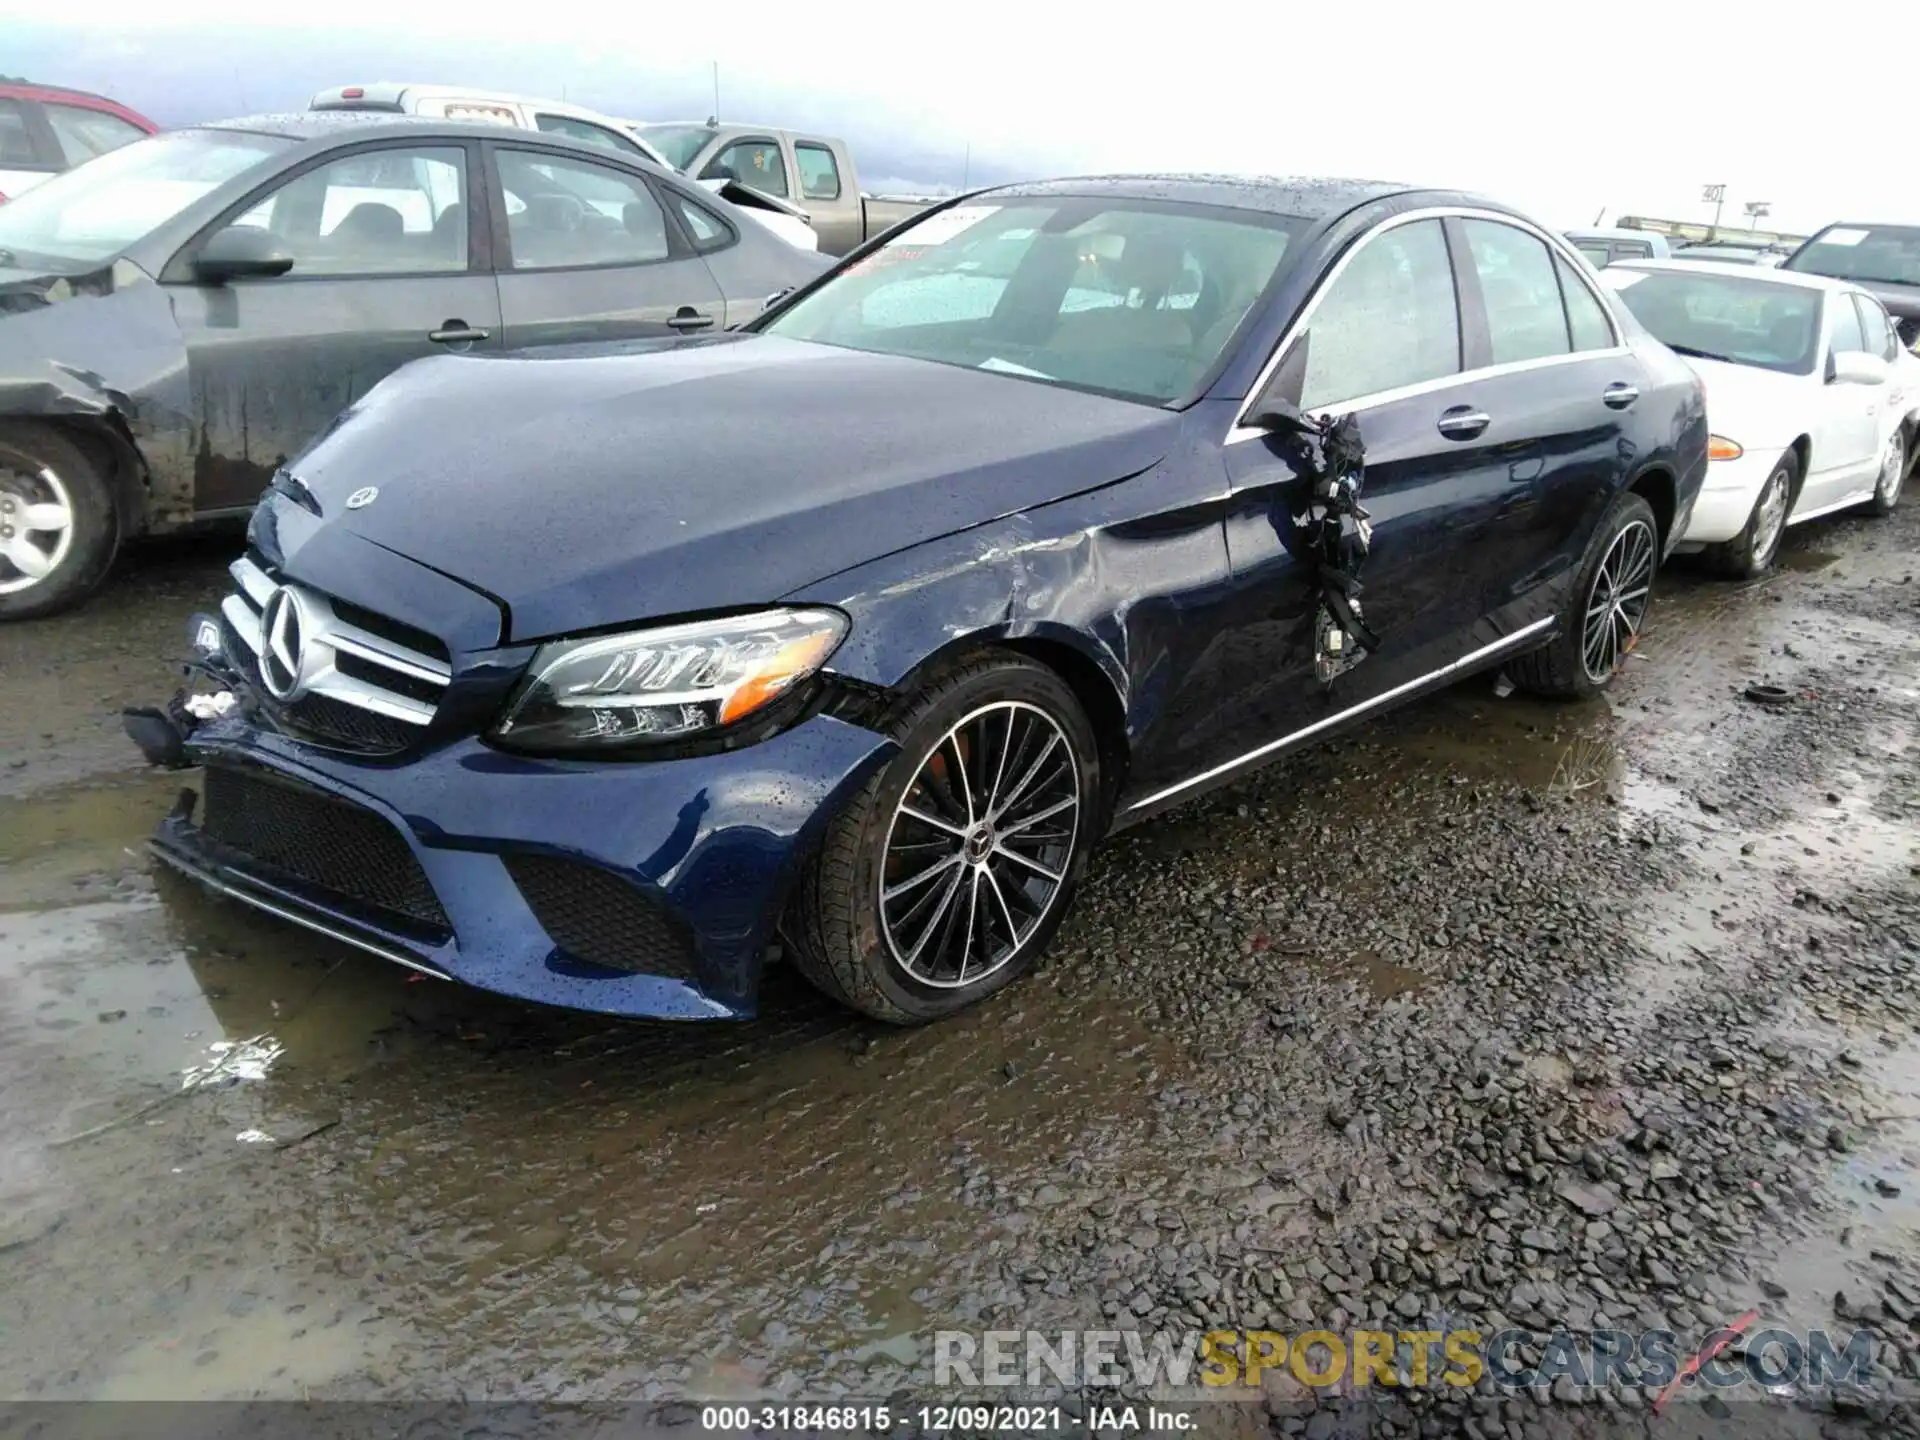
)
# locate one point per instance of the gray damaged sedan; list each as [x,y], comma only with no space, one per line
[180,316]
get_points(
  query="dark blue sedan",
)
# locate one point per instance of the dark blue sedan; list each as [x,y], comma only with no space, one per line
[583,675]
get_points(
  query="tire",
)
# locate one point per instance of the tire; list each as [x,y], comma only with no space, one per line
[42,469]
[1561,669]
[895,959]
[1893,473]
[1750,553]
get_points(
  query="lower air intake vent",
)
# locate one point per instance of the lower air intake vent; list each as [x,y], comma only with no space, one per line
[323,842]
[598,918]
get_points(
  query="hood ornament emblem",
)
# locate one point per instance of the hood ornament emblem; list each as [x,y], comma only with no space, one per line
[283,633]
[363,497]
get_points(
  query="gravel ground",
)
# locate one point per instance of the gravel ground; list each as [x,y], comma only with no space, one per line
[1494,1015]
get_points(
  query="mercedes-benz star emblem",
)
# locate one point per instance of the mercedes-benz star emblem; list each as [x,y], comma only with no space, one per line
[282,643]
[363,497]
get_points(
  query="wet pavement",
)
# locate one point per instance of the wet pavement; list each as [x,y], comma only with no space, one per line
[1334,1047]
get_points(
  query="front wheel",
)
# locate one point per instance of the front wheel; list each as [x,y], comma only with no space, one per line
[947,874]
[1749,553]
[58,526]
[1605,608]
[1893,473]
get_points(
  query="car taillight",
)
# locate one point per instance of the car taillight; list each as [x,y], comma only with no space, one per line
[353,92]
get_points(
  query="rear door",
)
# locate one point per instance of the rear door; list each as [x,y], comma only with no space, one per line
[387,268]
[1553,384]
[587,251]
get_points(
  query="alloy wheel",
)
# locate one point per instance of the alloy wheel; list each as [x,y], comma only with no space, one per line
[1772,519]
[977,852]
[36,526]
[1617,604]
[1893,470]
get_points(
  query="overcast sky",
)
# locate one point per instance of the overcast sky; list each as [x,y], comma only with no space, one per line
[1567,110]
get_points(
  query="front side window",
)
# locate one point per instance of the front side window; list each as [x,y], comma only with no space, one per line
[1880,338]
[564,213]
[1843,325]
[94,212]
[1585,317]
[751,162]
[819,171]
[380,212]
[85,133]
[1725,315]
[1864,254]
[582,130]
[1526,319]
[1388,320]
[1130,298]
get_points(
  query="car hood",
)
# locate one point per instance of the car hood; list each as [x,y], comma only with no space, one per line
[1755,408]
[592,486]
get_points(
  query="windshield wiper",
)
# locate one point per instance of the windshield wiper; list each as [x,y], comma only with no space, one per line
[1699,354]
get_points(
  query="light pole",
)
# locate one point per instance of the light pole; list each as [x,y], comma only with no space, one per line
[1755,209]
[1715,195]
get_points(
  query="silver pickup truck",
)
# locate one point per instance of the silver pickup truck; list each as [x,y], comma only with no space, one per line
[813,172]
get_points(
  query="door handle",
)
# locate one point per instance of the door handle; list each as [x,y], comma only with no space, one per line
[1619,395]
[1463,422]
[456,332]
[687,318]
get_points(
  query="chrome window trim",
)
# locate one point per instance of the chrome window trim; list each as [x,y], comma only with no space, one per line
[1505,642]
[1237,431]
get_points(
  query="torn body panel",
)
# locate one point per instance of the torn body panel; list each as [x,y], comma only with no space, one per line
[100,353]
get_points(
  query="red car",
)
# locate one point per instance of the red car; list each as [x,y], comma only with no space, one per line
[45,129]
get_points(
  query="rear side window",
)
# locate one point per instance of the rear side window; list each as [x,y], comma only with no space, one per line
[1591,330]
[1389,319]
[1843,325]
[564,213]
[1526,319]
[596,135]
[819,172]
[1596,252]
[708,230]
[84,133]
[751,162]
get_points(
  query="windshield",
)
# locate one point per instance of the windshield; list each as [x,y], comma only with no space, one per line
[95,211]
[1877,254]
[679,143]
[1727,317]
[1123,297]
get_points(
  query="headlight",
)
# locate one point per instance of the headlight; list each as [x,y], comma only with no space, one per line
[670,683]
[1721,448]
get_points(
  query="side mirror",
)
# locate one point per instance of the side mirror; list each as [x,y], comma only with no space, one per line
[240,252]
[1856,367]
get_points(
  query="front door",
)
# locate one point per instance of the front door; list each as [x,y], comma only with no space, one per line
[384,272]
[1848,426]
[587,253]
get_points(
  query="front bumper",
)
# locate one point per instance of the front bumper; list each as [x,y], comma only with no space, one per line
[696,852]
[1727,495]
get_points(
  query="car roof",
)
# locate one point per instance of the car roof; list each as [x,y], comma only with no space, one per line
[1306,197]
[1766,276]
[314,125]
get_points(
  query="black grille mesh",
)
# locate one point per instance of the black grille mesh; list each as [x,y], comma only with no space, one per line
[595,916]
[327,843]
[324,718]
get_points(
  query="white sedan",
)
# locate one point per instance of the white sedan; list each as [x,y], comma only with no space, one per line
[1811,398]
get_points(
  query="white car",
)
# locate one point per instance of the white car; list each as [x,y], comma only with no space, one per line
[1812,401]
[456,102]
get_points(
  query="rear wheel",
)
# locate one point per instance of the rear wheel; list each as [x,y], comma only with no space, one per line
[58,526]
[1750,552]
[1893,474]
[1606,606]
[945,877]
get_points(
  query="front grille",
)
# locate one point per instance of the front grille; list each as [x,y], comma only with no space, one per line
[597,917]
[329,844]
[354,679]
